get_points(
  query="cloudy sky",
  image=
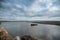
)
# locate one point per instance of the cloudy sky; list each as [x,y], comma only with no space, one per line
[30,10]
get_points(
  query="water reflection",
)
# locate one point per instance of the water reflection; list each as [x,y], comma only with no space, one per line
[47,32]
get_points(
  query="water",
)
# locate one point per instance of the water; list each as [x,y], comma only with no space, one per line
[25,28]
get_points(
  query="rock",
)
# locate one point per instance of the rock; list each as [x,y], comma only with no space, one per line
[17,38]
[4,34]
[28,37]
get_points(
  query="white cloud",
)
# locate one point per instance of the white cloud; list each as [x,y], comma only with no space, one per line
[54,8]
[48,5]
[34,7]
[13,9]
[42,0]
[18,5]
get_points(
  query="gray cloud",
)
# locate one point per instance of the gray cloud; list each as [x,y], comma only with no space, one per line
[30,9]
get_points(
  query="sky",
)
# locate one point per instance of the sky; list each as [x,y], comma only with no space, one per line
[29,10]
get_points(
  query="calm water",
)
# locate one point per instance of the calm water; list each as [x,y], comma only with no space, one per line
[41,30]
